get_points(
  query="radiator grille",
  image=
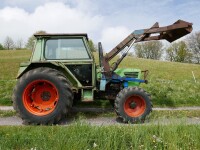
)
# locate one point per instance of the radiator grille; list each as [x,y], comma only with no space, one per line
[131,74]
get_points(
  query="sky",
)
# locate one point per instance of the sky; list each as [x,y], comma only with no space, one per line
[108,21]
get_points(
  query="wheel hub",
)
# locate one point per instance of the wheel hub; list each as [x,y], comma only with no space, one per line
[45,96]
[132,105]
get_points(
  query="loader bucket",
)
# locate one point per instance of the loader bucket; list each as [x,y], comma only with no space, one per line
[170,33]
[177,30]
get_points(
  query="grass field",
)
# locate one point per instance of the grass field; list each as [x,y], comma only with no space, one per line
[88,137]
[9,65]
[170,84]
[7,113]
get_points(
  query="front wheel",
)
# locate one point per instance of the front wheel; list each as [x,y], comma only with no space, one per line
[133,104]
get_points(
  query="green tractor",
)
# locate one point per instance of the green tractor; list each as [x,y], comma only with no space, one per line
[62,70]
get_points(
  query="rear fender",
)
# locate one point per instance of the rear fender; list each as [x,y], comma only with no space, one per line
[24,67]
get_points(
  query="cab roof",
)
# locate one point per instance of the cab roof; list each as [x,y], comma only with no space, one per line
[60,34]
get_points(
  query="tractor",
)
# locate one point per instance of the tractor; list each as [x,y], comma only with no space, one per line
[62,71]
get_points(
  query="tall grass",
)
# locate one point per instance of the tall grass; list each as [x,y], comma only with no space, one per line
[10,60]
[9,65]
[84,136]
[170,84]
[174,93]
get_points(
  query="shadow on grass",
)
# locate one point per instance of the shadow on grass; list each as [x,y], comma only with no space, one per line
[5,102]
[83,113]
[164,102]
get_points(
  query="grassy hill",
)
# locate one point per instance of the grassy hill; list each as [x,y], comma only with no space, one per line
[171,84]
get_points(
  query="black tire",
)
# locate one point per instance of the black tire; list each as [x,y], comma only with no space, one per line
[133,104]
[49,76]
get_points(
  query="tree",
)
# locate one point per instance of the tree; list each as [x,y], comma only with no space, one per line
[9,43]
[31,41]
[19,44]
[149,50]
[131,54]
[178,52]
[193,43]
[93,47]
[1,47]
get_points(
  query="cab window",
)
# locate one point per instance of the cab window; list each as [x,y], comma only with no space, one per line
[65,49]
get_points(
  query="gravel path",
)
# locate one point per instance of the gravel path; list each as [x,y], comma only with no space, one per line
[14,120]
[6,107]
[110,109]
[105,121]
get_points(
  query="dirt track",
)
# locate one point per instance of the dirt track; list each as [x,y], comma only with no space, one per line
[109,109]
[106,121]
[14,120]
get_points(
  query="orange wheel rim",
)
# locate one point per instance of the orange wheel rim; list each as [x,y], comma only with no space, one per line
[134,106]
[40,97]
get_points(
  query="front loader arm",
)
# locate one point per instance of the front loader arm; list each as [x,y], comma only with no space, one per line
[170,33]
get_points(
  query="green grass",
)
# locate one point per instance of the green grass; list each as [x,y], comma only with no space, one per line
[7,113]
[170,84]
[6,89]
[162,70]
[10,60]
[156,114]
[84,136]
[173,94]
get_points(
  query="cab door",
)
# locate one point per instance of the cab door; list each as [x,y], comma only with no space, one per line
[74,53]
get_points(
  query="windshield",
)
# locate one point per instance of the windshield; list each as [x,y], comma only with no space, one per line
[66,49]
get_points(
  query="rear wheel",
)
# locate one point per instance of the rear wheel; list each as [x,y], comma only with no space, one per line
[133,104]
[42,96]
